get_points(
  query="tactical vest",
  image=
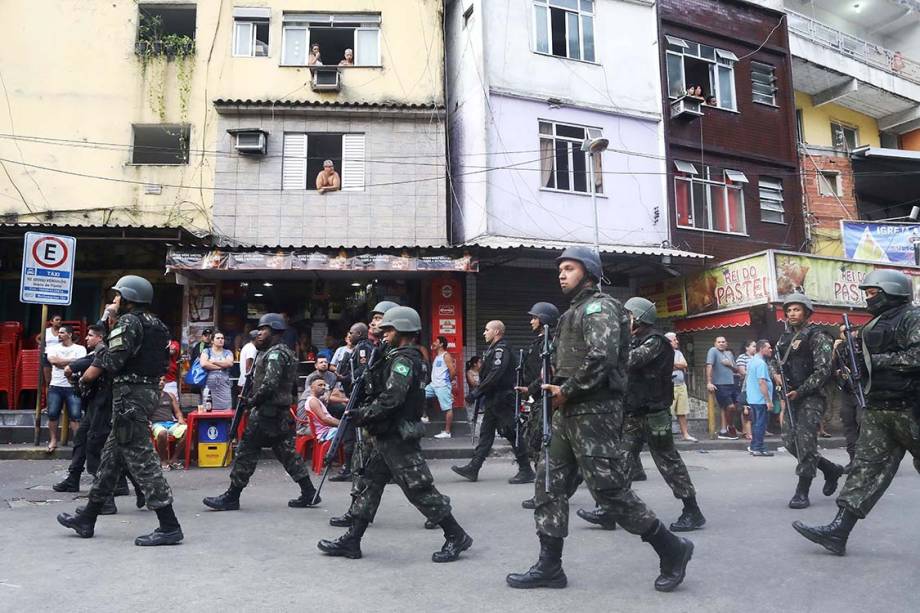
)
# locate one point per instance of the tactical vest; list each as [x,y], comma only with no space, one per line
[650,388]
[151,358]
[800,362]
[414,406]
[282,393]
[880,336]
[571,348]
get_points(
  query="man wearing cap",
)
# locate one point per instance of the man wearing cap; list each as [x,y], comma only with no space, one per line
[589,381]
[805,353]
[274,380]
[392,419]
[891,425]
[136,358]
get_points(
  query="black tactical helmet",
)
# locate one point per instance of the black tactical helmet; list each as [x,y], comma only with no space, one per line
[383,306]
[546,312]
[134,289]
[275,321]
[588,258]
[642,310]
[797,298]
[892,282]
[404,319]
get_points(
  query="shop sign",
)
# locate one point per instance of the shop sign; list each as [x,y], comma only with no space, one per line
[669,297]
[446,321]
[299,260]
[880,242]
[740,283]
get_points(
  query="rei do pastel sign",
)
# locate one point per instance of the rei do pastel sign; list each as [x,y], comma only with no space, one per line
[47,269]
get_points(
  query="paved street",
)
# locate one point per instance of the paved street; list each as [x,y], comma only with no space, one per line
[264,557]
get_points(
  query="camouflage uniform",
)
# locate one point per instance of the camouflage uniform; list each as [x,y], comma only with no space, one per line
[533,366]
[392,419]
[808,366]
[135,394]
[648,411]
[888,429]
[365,355]
[274,376]
[592,341]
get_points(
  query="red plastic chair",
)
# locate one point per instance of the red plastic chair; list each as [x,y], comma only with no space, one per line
[11,332]
[303,443]
[26,374]
[321,448]
[6,372]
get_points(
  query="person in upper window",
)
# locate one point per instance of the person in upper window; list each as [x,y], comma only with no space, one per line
[328,179]
[349,59]
[711,101]
[314,58]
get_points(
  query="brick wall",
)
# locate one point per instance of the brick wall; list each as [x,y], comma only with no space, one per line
[403,203]
[827,210]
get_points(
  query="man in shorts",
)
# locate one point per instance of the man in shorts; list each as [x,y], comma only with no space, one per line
[167,421]
[443,373]
[720,379]
[680,407]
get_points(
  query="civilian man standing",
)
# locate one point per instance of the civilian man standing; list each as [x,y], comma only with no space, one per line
[680,407]
[759,392]
[720,379]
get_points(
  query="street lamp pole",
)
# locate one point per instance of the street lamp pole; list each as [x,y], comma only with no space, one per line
[594,146]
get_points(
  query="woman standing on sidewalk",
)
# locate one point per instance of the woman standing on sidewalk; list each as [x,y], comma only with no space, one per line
[218,361]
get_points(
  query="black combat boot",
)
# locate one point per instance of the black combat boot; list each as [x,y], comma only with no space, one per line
[84,522]
[228,501]
[343,475]
[691,518]
[307,493]
[833,536]
[108,507]
[674,554]
[430,525]
[71,483]
[342,521]
[469,472]
[638,474]
[598,517]
[169,532]
[832,473]
[530,503]
[139,499]
[349,544]
[800,498]
[525,473]
[547,572]
[456,541]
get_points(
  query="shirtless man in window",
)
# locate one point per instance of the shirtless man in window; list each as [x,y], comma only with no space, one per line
[328,179]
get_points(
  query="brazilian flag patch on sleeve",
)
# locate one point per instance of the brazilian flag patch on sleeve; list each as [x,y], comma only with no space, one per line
[594,307]
[401,369]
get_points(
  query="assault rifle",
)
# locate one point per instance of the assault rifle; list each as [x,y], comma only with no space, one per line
[518,382]
[547,406]
[357,395]
[854,375]
[782,377]
[241,409]
[477,409]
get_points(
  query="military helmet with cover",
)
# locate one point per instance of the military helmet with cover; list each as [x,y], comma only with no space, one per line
[134,289]
[588,258]
[799,298]
[643,310]
[275,321]
[403,319]
[383,306]
[892,282]
[546,312]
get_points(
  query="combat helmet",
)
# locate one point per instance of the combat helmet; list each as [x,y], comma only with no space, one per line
[403,319]
[799,298]
[383,306]
[275,321]
[546,312]
[134,289]
[643,310]
[587,257]
[892,282]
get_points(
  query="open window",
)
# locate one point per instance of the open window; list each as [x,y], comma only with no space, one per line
[166,29]
[563,165]
[250,31]
[160,144]
[331,39]
[772,208]
[305,154]
[829,183]
[702,72]
[709,198]
[845,138]
[564,28]
[763,83]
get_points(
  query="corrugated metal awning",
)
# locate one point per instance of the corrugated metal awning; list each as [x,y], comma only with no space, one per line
[508,242]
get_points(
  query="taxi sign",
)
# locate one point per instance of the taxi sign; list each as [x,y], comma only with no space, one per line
[47,269]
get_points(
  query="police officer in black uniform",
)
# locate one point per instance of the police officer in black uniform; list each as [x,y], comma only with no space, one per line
[496,388]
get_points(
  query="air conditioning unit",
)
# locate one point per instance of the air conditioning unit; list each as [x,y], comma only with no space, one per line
[250,141]
[687,107]
[325,79]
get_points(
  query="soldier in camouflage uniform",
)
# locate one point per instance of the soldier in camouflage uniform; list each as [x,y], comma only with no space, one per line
[589,381]
[648,412]
[891,352]
[392,419]
[274,377]
[137,357]
[806,354]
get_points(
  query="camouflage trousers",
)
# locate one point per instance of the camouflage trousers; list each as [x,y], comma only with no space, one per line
[532,436]
[802,441]
[654,429]
[590,444]
[275,430]
[404,462]
[884,438]
[129,448]
[363,452]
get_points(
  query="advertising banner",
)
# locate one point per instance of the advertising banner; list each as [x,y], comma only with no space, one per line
[741,283]
[669,297]
[299,260]
[880,242]
[447,321]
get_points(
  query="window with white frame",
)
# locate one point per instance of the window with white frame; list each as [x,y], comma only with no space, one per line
[844,137]
[763,83]
[692,65]
[771,200]
[563,165]
[829,183]
[564,28]
[710,198]
[250,32]
[327,39]
[303,156]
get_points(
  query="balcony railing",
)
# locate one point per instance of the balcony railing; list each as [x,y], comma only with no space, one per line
[858,49]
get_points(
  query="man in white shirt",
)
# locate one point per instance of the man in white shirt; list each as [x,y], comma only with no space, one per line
[680,407]
[60,391]
[247,359]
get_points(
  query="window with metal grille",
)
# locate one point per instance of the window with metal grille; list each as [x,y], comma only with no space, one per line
[763,83]
[771,200]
